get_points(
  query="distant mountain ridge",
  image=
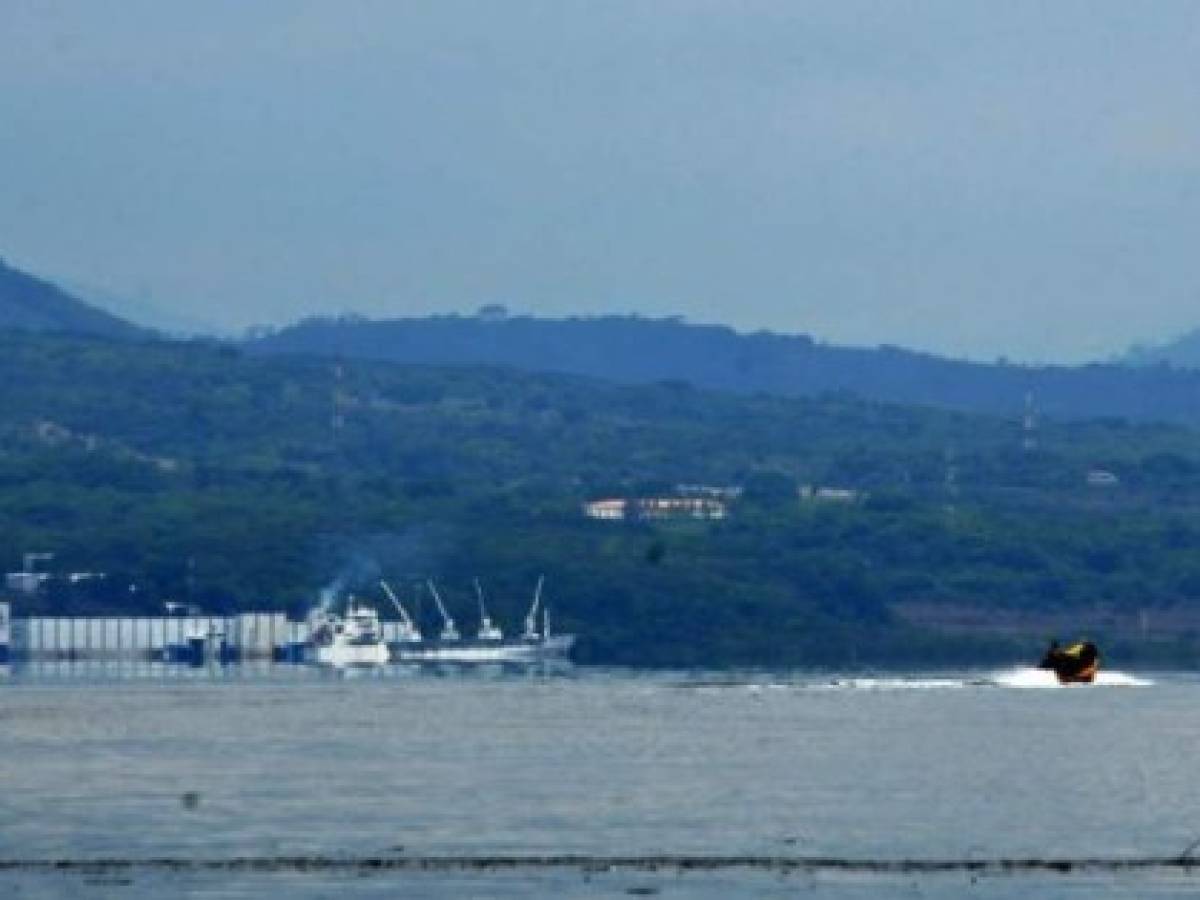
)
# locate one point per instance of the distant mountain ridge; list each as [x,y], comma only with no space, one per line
[1183,351]
[28,303]
[638,350]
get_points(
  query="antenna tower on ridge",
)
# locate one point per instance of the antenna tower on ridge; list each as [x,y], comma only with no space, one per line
[1029,424]
[338,415]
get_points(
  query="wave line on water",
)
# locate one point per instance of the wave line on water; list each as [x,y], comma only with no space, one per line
[599,863]
[900,684]
[1021,678]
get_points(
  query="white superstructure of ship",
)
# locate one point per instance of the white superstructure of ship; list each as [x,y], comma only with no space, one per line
[489,645]
[353,639]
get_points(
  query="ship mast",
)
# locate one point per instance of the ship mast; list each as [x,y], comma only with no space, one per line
[449,632]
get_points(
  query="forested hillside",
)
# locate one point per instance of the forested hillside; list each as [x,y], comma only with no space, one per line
[196,471]
[637,350]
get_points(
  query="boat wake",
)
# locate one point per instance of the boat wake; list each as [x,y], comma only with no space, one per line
[1023,677]
[897,684]
[1030,677]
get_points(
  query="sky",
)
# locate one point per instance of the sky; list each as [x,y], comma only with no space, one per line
[976,179]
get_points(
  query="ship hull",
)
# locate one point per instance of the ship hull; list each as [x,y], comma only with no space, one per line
[343,655]
[1082,676]
[1075,664]
[483,651]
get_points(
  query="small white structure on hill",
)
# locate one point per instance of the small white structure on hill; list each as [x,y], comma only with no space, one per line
[680,508]
[28,580]
[1102,478]
[611,509]
[809,493]
[716,492]
[657,508]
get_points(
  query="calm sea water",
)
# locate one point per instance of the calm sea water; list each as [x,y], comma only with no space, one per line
[209,767]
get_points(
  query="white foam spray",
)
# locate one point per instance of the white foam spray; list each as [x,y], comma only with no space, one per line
[1028,677]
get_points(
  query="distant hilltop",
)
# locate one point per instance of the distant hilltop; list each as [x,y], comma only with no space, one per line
[633,349]
[31,304]
[1183,352]
[1149,384]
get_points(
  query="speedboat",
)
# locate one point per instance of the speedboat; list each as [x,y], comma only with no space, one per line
[1075,663]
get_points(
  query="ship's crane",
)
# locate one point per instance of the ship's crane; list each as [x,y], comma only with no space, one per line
[531,632]
[29,560]
[449,632]
[487,630]
[408,629]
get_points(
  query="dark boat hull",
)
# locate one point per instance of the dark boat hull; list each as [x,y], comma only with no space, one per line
[1075,664]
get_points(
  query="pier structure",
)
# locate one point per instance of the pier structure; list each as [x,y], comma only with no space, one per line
[173,638]
[247,636]
[5,632]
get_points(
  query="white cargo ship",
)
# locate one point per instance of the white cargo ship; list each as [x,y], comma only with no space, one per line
[489,645]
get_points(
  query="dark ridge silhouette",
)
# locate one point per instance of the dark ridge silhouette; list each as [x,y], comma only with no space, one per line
[28,303]
[637,350]
[1183,351]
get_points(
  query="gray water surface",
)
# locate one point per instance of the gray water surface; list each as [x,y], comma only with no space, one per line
[217,766]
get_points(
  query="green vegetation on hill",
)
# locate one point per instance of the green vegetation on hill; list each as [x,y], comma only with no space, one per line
[637,350]
[238,481]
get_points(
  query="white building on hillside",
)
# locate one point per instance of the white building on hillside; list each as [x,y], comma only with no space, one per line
[829,494]
[658,508]
[612,509]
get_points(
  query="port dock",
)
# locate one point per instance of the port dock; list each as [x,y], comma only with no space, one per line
[5,633]
[199,639]
[246,637]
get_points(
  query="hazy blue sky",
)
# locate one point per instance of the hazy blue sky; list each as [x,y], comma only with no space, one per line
[1018,178]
